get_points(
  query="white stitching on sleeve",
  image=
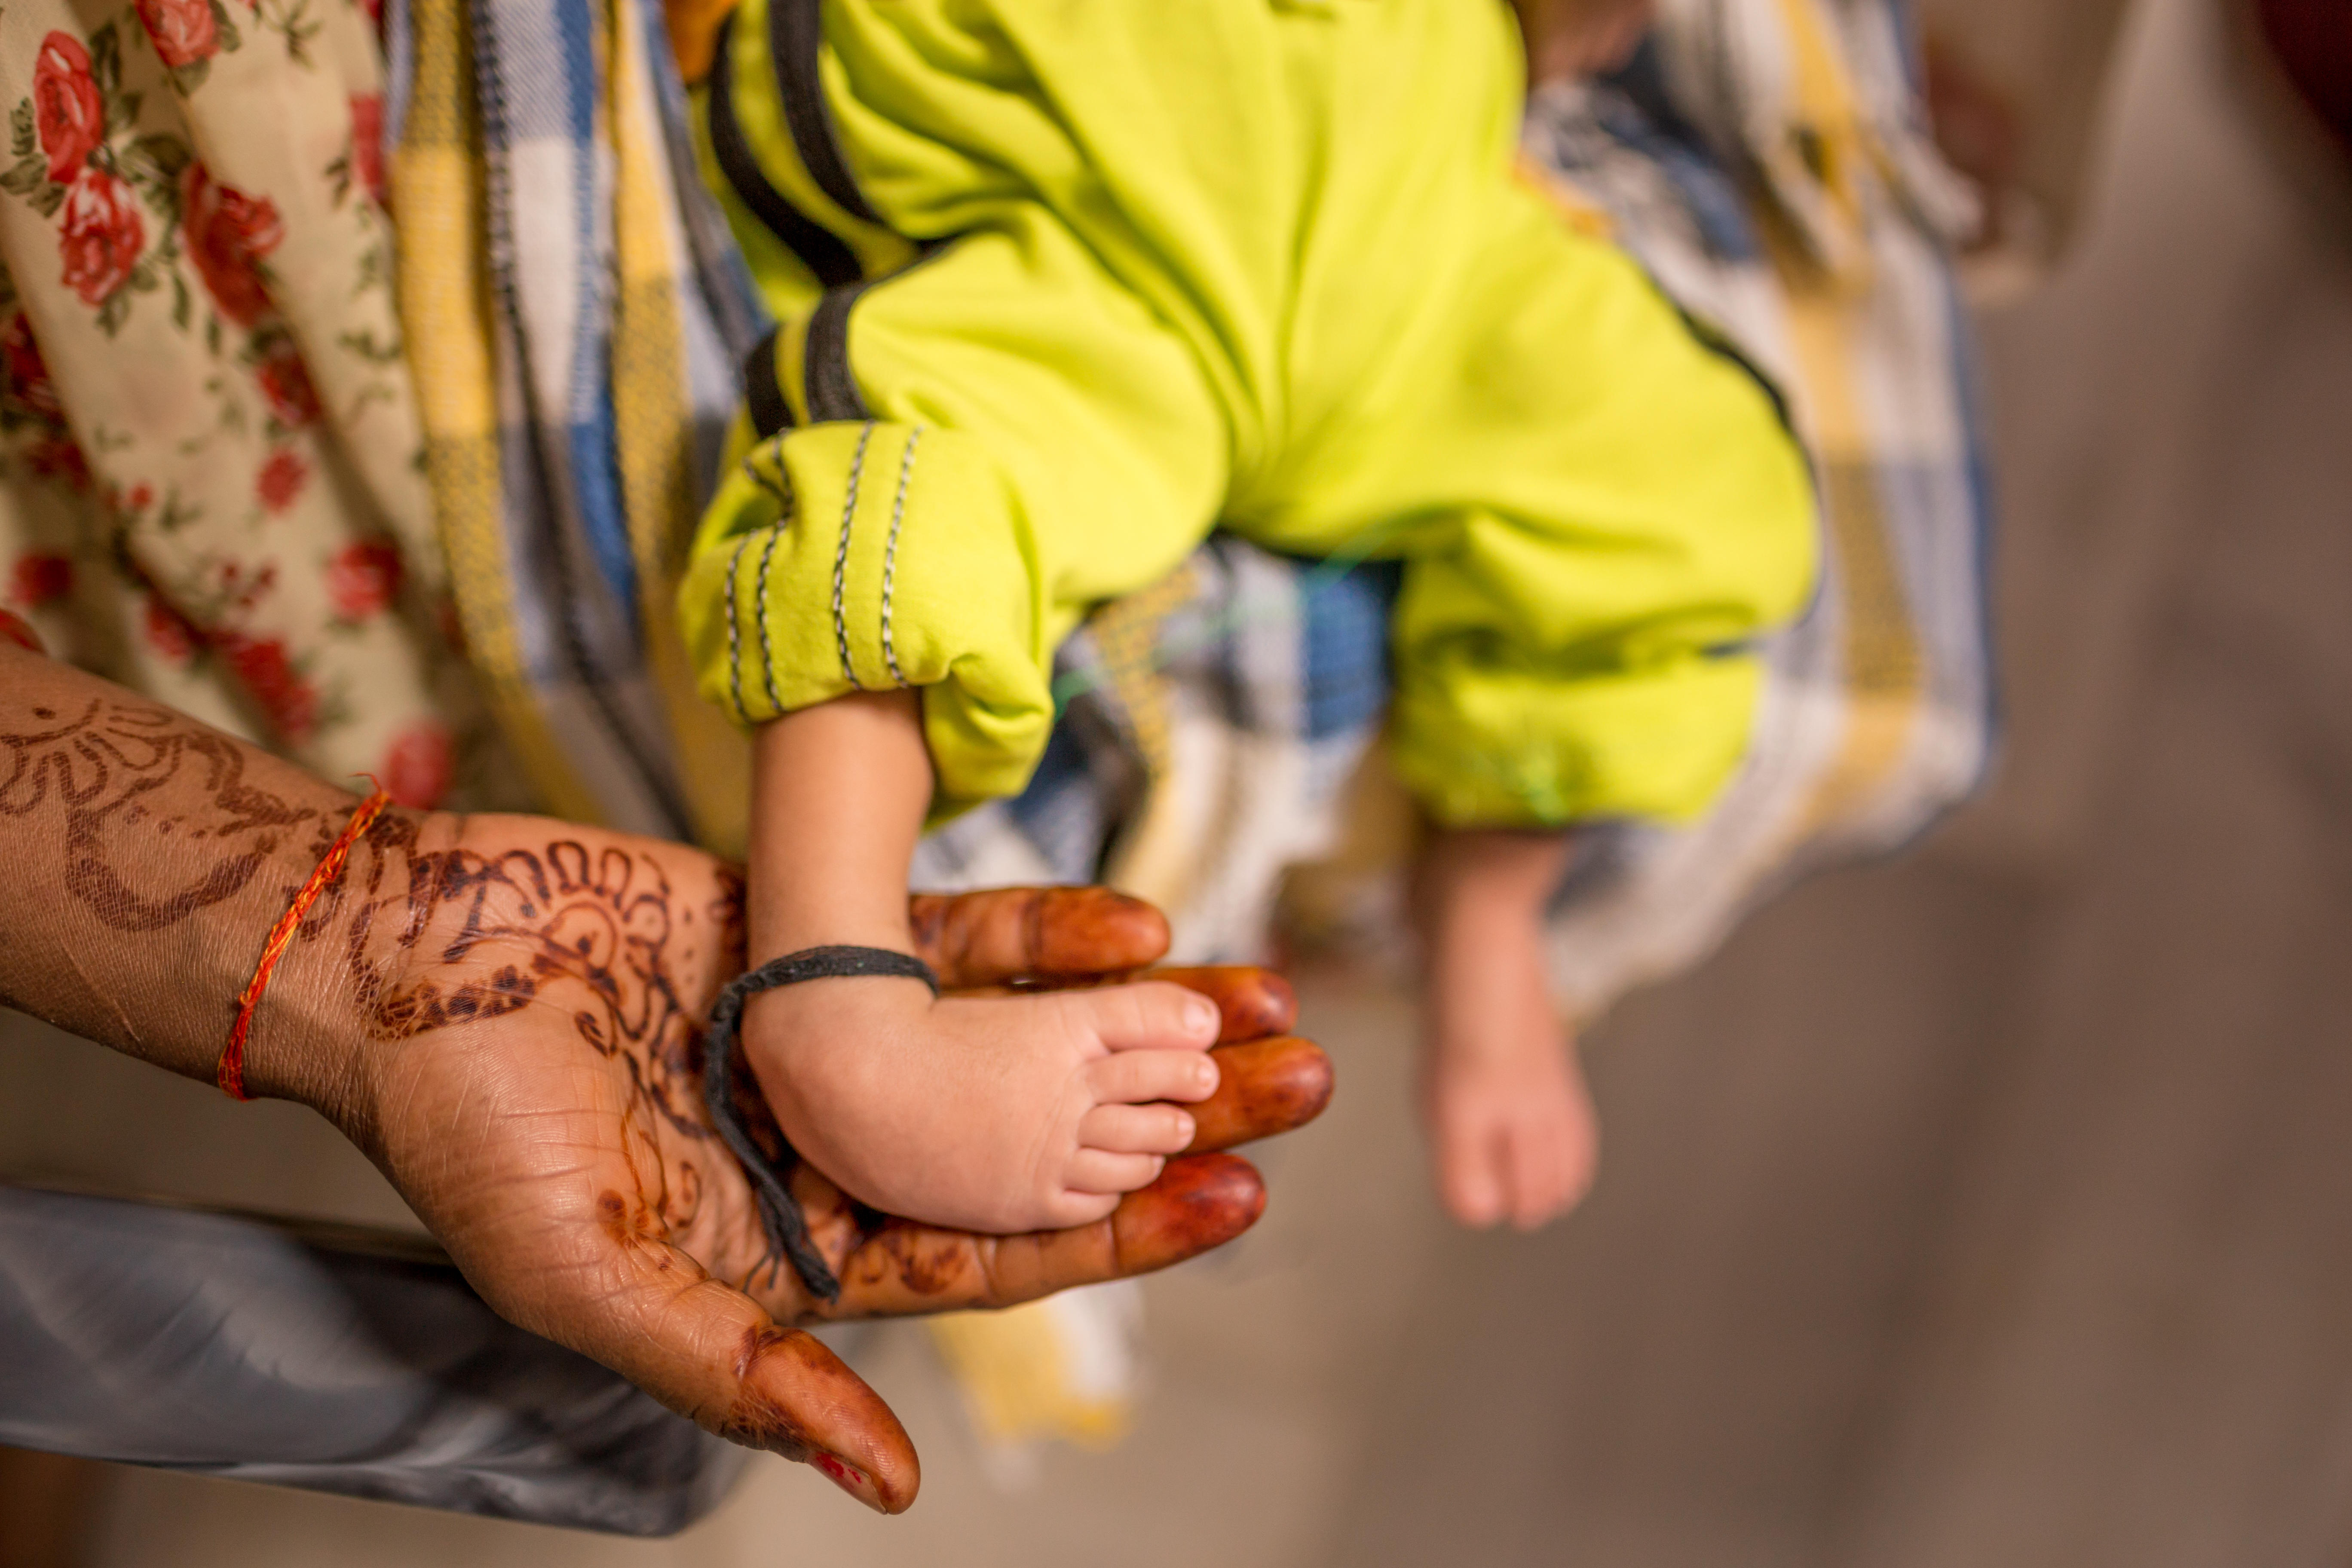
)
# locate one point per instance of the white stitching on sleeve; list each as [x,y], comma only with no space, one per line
[841,557]
[734,635]
[890,551]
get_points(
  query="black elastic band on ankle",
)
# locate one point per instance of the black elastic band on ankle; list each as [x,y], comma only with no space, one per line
[780,1214]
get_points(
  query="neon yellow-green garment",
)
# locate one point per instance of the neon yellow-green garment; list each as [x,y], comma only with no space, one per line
[1065,284]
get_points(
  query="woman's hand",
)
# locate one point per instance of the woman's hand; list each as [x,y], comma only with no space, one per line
[506,1014]
[532,996]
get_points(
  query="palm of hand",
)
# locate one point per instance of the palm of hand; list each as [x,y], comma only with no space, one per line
[533,997]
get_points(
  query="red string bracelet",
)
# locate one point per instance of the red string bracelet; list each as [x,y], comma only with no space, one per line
[231,1073]
[14,630]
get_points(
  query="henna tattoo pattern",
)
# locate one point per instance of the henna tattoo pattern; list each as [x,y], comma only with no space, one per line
[437,938]
[160,822]
[557,938]
[104,768]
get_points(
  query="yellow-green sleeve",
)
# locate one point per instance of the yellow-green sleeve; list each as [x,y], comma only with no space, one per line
[1038,443]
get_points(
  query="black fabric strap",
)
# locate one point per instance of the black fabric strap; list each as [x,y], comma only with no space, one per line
[763,393]
[780,1214]
[820,250]
[827,380]
[795,33]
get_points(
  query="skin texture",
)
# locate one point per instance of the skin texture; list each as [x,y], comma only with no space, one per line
[1001,1113]
[1511,1128]
[506,1013]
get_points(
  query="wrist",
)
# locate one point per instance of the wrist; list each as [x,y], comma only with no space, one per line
[319,1028]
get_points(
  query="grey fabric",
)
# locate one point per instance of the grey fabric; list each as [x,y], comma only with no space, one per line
[249,1349]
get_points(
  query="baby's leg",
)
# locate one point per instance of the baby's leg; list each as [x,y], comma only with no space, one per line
[1510,1122]
[1004,1114]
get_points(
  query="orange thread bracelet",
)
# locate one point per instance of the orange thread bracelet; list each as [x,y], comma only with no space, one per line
[231,1073]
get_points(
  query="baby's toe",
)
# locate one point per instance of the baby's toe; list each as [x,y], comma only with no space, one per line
[1469,1174]
[1136,1077]
[1152,1015]
[1135,1129]
[1551,1162]
[1099,1171]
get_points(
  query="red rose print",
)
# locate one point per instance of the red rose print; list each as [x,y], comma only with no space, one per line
[416,772]
[168,632]
[56,457]
[28,374]
[99,234]
[182,30]
[363,578]
[229,234]
[367,144]
[270,678]
[280,480]
[66,105]
[286,383]
[140,494]
[39,579]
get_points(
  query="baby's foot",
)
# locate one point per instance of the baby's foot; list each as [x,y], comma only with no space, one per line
[1511,1124]
[1002,1114]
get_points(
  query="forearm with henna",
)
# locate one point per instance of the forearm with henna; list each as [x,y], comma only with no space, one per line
[506,1014]
[146,856]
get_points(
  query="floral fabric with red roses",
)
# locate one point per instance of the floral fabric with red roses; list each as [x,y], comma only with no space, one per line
[211,480]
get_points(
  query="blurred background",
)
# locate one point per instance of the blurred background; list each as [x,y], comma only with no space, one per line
[1988,1205]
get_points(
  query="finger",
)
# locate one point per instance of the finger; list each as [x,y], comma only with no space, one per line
[1264,1087]
[1135,1130]
[649,1311]
[1147,1017]
[1098,1171]
[1137,1078]
[1199,1200]
[1251,1003]
[1012,933]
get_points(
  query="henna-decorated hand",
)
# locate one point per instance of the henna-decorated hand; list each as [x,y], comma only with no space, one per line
[532,994]
[505,1012]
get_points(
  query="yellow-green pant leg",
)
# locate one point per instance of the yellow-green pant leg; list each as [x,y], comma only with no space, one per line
[1598,512]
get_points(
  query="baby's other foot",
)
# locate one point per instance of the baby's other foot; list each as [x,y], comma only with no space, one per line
[1001,1114]
[1511,1124]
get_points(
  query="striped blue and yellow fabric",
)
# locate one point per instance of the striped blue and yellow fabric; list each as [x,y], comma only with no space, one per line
[1768,161]
[576,316]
